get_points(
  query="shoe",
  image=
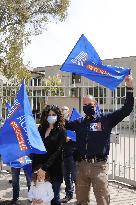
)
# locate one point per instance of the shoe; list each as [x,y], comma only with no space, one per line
[10,181]
[66,199]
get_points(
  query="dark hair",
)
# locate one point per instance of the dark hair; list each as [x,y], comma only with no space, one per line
[34,177]
[60,120]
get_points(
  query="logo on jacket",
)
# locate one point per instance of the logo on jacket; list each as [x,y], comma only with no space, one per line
[96,126]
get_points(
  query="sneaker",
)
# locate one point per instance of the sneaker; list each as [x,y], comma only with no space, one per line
[66,199]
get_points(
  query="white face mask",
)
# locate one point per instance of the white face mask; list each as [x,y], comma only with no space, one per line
[52,119]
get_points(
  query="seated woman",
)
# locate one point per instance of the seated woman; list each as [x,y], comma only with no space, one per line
[52,132]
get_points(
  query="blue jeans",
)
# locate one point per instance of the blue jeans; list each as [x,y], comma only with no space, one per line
[69,167]
[15,182]
[56,189]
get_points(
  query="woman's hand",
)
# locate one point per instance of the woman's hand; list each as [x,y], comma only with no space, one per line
[41,173]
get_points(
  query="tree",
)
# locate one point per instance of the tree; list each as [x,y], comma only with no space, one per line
[53,86]
[19,19]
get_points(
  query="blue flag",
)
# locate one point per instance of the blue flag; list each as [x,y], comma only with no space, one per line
[7,106]
[19,135]
[21,162]
[74,116]
[84,60]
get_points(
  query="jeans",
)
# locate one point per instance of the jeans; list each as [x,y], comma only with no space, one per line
[15,182]
[56,189]
[69,167]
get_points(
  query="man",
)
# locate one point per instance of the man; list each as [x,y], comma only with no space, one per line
[93,144]
[69,165]
[15,171]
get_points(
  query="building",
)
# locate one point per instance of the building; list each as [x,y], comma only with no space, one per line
[75,87]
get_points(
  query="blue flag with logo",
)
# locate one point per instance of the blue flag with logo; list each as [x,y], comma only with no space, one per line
[85,61]
[19,135]
[74,116]
[7,106]
[22,161]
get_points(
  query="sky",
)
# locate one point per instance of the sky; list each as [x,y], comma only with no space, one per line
[109,25]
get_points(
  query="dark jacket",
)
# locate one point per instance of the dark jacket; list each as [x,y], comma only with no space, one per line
[69,149]
[93,134]
[52,160]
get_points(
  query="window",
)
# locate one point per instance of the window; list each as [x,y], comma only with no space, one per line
[120,95]
[74,92]
[76,78]
[99,93]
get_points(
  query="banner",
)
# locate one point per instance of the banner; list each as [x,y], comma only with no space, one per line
[85,61]
[19,135]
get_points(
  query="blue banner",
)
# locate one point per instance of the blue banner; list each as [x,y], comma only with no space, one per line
[21,162]
[7,106]
[74,116]
[84,60]
[19,135]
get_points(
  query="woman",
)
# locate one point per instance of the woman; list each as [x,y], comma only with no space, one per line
[52,132]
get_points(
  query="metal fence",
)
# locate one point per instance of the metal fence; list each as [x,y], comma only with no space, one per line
[122,156]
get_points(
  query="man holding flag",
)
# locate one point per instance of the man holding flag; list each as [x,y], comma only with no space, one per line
[93,144]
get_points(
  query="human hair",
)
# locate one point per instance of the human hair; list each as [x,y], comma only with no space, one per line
[34,177]
[60,120]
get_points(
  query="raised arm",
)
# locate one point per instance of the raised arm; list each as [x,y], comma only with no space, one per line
[118,115]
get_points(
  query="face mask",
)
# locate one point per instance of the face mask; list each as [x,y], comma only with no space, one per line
[52,119]
[88,110]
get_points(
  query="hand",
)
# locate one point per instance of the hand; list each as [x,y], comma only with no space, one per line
[68,139]
[129,81]
[34,201]
[39,201]
[40,174]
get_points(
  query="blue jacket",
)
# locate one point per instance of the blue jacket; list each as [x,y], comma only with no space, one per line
[93,134]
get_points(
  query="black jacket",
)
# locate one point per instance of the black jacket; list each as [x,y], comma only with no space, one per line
[93,135]
[69,149]
[52,160]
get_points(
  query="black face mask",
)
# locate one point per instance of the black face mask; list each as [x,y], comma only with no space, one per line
[88,110]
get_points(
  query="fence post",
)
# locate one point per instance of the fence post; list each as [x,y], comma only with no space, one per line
[80,92]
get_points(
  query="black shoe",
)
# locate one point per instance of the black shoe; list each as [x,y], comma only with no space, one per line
[10,181]
[66,199]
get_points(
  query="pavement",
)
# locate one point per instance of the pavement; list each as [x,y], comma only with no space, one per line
[120,194]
